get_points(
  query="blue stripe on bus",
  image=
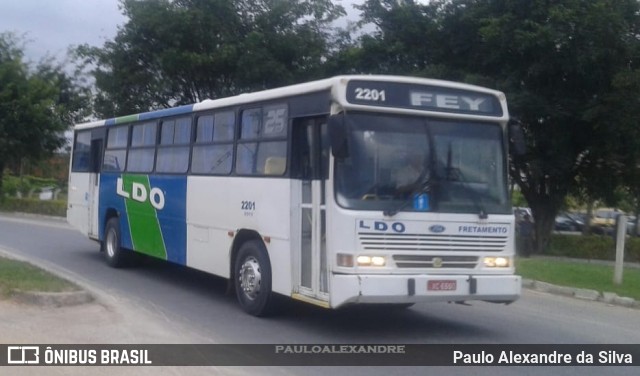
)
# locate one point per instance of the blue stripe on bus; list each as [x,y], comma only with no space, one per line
[152,114]
[109,199]
[167,112]
[171,218]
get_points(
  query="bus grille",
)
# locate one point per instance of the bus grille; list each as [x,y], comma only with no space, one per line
[435,262]
[437,243]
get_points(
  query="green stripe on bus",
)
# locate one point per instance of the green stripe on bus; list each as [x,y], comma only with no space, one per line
[146,234]
[126,119]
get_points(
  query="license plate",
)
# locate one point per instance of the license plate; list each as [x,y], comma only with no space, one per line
[441,285]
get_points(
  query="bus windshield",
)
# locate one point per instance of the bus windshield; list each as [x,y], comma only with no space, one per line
[453,166]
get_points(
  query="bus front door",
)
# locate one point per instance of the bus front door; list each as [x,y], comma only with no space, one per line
[311,150]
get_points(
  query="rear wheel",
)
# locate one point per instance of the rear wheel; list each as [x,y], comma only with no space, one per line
[111,248]
[252,273]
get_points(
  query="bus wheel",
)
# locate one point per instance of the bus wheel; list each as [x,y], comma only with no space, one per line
[111,244]
[253,278]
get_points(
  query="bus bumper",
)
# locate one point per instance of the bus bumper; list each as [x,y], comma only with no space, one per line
[376,289]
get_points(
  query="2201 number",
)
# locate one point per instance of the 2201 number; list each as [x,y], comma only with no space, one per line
[370,94]
[248,205]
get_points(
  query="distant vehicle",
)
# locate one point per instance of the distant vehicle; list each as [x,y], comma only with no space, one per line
[568,222]
[631,224]
[603,220]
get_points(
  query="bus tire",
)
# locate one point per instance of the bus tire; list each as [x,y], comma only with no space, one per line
[252,273]
[111,245]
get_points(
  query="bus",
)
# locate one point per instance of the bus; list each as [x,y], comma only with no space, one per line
[357,189]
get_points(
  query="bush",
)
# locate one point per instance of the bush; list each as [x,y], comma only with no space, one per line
[13,184]
[30,205]
[632,249]
[593,247]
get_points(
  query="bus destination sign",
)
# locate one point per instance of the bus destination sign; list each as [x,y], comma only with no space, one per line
[422,97]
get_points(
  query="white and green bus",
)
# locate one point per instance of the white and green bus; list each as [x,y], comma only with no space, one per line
[347,190]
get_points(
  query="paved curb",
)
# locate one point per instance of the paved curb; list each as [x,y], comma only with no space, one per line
[52,299]
[584,294]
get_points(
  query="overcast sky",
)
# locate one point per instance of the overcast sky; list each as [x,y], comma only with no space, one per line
[51,26]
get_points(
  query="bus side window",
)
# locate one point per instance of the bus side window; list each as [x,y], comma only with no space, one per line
[115,157]
[262,146]
[173,151]
[213,150]
[143,147]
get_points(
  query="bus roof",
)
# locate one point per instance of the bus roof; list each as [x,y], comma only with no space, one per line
[337,84]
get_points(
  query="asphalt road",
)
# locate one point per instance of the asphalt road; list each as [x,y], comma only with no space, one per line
[199,301]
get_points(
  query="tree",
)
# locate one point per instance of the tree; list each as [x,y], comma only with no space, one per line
[174,52]
[557,61]
[625,101]
[36,106]
[404,40]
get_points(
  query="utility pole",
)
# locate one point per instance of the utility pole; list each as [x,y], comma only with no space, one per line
[621,228]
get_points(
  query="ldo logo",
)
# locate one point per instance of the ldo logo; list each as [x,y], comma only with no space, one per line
[23,355]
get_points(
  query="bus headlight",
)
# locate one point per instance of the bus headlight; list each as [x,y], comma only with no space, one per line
[364,260]
[496,262]
[378,261]
[346,260]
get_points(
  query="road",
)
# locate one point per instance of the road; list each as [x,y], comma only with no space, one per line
[199,301]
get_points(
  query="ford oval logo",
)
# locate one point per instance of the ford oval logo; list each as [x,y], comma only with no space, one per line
[437,229]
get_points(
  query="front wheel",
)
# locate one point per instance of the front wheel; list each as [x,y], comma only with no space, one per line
[253,279]
[111,248]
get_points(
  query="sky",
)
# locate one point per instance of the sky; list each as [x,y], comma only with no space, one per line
[50,27]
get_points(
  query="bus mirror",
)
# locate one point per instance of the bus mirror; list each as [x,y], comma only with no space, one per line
[516,138]
[338,136]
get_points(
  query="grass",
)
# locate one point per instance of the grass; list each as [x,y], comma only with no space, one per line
[581,275]
[18,275]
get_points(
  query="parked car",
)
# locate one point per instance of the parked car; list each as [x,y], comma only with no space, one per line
[603,220]
[569,222]
[631,225]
